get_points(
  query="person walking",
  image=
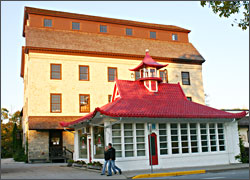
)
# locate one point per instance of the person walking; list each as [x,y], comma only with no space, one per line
[112,161]
[107,159]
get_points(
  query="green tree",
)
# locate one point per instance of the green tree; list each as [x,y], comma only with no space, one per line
[4,114]
[227,8]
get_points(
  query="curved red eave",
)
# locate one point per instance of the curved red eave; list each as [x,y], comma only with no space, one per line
[169,102]
[148,61]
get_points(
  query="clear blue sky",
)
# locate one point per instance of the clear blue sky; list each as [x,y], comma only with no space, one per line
[225,48]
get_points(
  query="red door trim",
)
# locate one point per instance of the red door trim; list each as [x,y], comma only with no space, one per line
[90,158]
[155,156]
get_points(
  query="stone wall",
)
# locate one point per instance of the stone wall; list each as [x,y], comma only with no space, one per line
[38,145]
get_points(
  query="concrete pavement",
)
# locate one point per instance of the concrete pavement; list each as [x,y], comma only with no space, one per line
[18,170]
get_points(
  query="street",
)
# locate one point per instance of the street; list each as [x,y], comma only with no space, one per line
[229,174]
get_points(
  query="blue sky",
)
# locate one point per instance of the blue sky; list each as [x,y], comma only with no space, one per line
[225,48]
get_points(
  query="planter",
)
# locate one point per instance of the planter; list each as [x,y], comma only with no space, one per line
[94,167]
[69,164]
[77,165]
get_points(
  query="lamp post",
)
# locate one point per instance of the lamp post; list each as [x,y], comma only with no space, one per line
[150,145]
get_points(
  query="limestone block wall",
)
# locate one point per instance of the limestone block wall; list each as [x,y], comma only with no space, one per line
[38,144]
[68,140]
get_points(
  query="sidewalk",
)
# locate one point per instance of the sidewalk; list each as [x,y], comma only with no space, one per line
[182,171]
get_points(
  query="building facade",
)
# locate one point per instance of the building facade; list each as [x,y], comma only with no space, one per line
[70,62]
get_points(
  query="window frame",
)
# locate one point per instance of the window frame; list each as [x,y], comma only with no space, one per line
[189,98]
[174,35]
[75,29]
[126,32]
[83,73]
[109,98]
[116,74]
[51,94]
[51,64]
[166,74]
[100,28]
[151,35]
[80,103]
[137,76]
[183,72]
[47,26]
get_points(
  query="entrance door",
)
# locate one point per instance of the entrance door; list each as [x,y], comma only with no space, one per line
[153,149]
[90,152]
[55,144]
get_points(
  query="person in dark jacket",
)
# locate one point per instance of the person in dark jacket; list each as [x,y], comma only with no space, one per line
[107,159]
[112,161]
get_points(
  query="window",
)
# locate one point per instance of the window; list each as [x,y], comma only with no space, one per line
[193,137]
[174,138]
[128,140]
[109,98]
[220,130]
[185,78]
[98,142]
[84,103]
[163,139]
[55,71]
[152,35]
[184,138]
[204,139]
[164,76]
[55,103]
[129,32]
[137,75]
[189,98]
[47,23]
[213,144]
[82,144]
[174,37]
[75,25]
[112,74]
[103,28]
[116,139]
[84,73]
[140,140]
[152,73]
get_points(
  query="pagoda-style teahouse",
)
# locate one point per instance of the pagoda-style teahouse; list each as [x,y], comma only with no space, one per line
[183,133]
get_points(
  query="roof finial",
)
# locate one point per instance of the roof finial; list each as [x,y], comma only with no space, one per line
[147,50]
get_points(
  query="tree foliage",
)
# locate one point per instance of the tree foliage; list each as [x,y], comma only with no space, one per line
[227,8]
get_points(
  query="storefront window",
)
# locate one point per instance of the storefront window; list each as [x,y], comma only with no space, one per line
[98,142]
[163,139]
[116,139]
[82,144]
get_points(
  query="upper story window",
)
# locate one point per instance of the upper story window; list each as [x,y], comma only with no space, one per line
[55,71]
[164,76]
[112,74]
[185,78]
[103,28]
[47,23]
[55,103]
[109,98]
[152,35]
[152,73]
[75,25]
[84,73]
[84,103]
[174,37]
[189,98]
[137,75]
[129,32]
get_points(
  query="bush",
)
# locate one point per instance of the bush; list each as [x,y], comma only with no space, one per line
[243,156]
[20,156]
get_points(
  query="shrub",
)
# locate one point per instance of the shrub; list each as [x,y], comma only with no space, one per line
[243,156]
[20,155]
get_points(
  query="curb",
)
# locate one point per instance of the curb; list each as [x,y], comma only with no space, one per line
[169,174]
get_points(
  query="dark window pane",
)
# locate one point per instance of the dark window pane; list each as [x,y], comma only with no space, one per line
[204,149]
[103,28]
[213,148]
[194,150]
[112,74]
[184,144]
[193,137]
[55,71]
[163,76]
[221,136]
[212,131]
[211,126]
[163,145]
[204,143]
[189,98]
[163,138]
[185,78]
[203,131]
[174,144]
[213,142]
[174,138]
[84,72]
[163,132]
[163,151]
[173,125]
[220,125]
[128,31]
[184,138]
[76,25]
[183,125]
[193,143]
[175,151]
[222,148]
[152,34]
[174,132]
[137,75]
[220,131]
[47,23]
[204,137]
[184,150]
[203,125]
[162,126]
[193,125]
[55,103]
[221,142]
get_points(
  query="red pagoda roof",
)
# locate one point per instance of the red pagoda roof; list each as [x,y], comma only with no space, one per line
[169,102]
[148,61]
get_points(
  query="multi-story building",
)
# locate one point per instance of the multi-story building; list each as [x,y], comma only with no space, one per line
[70,62]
